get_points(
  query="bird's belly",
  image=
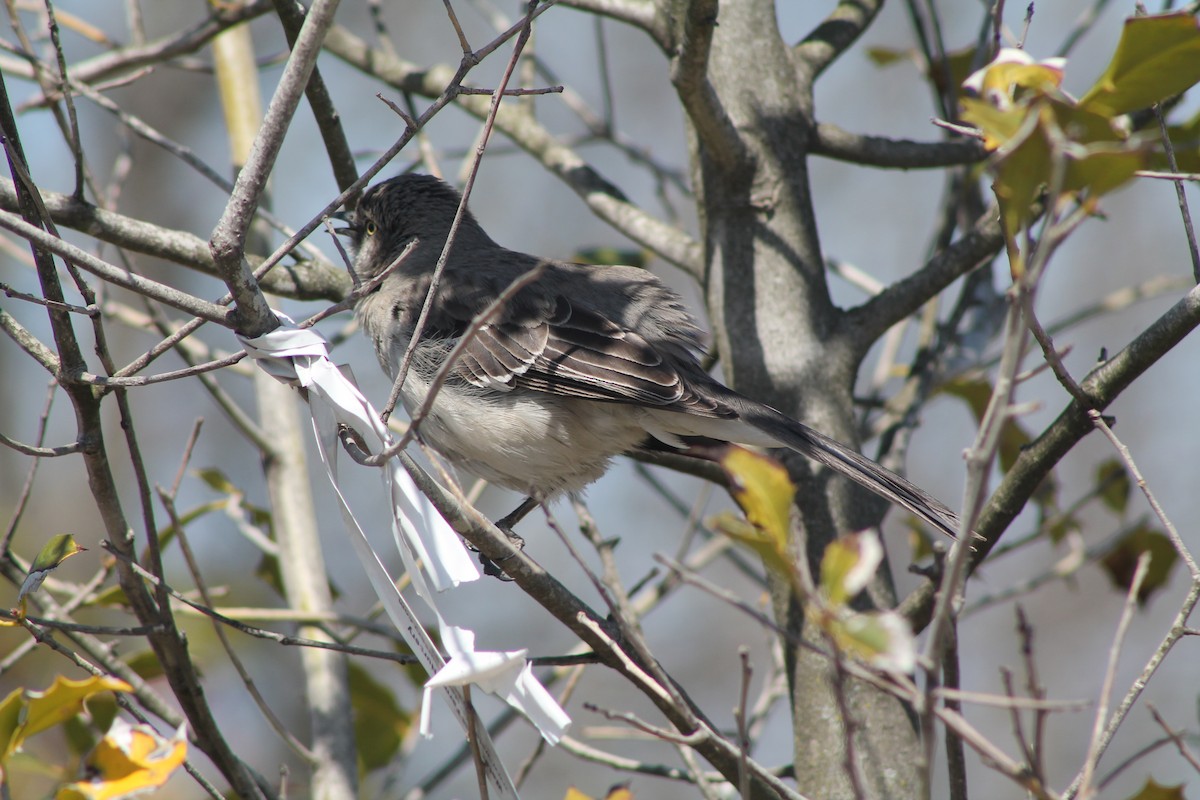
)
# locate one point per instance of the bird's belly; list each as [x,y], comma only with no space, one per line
[537,444]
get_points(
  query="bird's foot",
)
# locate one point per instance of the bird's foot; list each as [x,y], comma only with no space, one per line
[491,567]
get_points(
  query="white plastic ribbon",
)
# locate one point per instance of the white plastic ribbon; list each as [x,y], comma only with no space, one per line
[300,357]
[507,675]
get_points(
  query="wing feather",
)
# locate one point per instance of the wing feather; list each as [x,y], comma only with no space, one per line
[577,352]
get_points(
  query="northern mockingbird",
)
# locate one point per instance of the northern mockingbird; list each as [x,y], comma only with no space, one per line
[583,364]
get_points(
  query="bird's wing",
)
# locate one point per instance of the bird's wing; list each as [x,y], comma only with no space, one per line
[570,350]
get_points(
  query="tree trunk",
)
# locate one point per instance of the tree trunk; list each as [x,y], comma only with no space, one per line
[776,330]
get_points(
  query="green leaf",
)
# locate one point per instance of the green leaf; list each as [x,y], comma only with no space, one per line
[217,481]
[1155,791]
[54,552]
[1112,484]
[1100,157]
[1061,525]
[1157,57]
[146,664]
[977,393]
[1013,438]
[887,56]
[379,723]
[1121,562]
[959,63]
[613,255]
[112,596]
[1185,142]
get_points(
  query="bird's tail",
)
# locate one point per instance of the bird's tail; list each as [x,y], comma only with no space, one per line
[855,466]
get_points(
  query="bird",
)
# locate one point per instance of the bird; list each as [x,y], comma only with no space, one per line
[581,364]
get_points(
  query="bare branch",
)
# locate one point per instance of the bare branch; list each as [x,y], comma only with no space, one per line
[603,198]
[114,275]
[304,280]
[689,74]
[228,240]
[864,324]
[643,14]
[1103,385]
[826,43]
[879,151]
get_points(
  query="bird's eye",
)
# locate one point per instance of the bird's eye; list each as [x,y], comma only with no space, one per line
[371,228]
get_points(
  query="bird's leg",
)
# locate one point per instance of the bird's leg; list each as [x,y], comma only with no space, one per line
[505,524]
[519,513]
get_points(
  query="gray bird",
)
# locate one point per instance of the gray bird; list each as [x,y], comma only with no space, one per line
[585,363]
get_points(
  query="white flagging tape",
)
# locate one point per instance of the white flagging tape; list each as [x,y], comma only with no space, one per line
[300,357]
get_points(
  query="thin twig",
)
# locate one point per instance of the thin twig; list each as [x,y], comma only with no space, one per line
[1095,748]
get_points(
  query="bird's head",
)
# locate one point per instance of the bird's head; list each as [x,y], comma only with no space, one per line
[393,213]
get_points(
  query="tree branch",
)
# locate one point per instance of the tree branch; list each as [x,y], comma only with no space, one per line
[121,62]
[114,275]
[689,75]
[866,323]
[826,43]
[642,14]
[302,280]
[517,123]
[228,241]
[329,122]
[879,151]
[1102,386]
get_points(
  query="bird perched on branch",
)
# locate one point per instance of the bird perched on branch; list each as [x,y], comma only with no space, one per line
[577,364]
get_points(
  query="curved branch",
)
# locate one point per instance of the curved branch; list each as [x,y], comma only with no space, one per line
[253,316]
[576,615]
[1102,386]
[641,14]
[689,75]
[864,324]
[517,123]
[121,62]
[304,280]
[329,122]
[114,275]
[826,43]
[879,151]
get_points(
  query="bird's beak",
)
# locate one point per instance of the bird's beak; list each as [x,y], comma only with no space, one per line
[347,218]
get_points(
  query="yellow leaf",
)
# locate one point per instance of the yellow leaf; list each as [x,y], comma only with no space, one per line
[771,550]
[26,712]
[761,487]
[882,639]
[998,126]
[848,565]
[618,792]
[1013,76]
[130,760]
